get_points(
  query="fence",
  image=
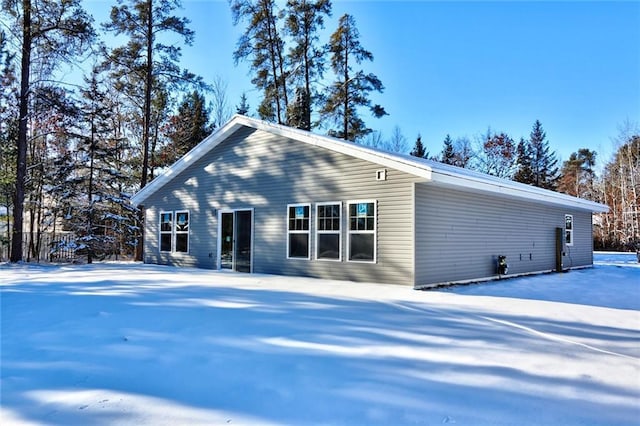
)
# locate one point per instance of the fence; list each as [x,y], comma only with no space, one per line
[39,248]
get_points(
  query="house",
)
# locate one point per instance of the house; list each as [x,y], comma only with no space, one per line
[265,198]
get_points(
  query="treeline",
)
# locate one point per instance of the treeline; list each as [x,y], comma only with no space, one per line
[83,125]
[289,64]
[531,161]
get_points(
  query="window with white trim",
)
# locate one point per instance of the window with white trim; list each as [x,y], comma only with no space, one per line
[166,231]
[328,238]
[362,231]
[298,229]
[182,231]
[568,229]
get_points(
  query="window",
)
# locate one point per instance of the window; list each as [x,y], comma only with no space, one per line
[166,230]
[182,231]
[362,231]
[174,235]
[568,229]
[328,231]
[298,221]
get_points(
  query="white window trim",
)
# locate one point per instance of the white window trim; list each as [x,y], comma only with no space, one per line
[176,232]
[308,232]
[374,231]
[573,227]
[161,232]
[332,232]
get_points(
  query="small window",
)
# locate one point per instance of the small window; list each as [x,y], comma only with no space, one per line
[298,228]
[182,231]
[568,229]
[328,219]
[166,231]
[362,231]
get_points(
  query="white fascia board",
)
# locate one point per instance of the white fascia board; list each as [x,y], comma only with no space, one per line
[428,170]
[514,189]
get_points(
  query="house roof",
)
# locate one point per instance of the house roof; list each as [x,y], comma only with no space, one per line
[431,171]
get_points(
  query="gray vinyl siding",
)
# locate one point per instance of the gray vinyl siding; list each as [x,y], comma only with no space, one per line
[255,169]
[459,235]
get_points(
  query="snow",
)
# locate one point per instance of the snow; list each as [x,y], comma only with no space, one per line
[126,343]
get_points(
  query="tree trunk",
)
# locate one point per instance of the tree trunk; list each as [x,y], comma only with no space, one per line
[21,170]
[346,87]
[148,81]
[90,194]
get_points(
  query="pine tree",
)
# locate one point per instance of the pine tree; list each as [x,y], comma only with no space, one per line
[51,33]
[544,162]
[145,66]
[577,175]
[448,152]
[263,45]
[524,168]
[186,129]
[8,133]
[351,88]
[299,112]
[304,19]
[243,107]
[87,189]
[419,149]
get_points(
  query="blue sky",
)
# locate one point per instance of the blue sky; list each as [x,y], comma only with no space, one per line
[460,67]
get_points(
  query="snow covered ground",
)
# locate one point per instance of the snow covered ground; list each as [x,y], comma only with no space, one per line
[138,344]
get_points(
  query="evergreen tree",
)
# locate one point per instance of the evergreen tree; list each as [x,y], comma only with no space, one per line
[263,45]
[186,129]
[243,107]
[8,133]
[145,66]
[448,152]
[305,59]
[351,88]
[419,149]
[524,167]
[577,175]
[544,162]
[96,211]
[299,112]
[50,34]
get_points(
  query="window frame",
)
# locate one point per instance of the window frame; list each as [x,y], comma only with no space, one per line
[319,232]
[161,232]
[176,232]
[568,218]
[307,232]
[373,232]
